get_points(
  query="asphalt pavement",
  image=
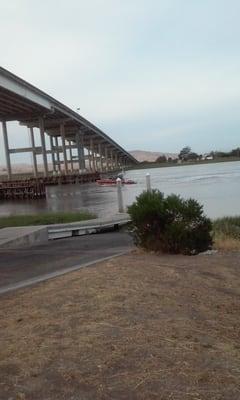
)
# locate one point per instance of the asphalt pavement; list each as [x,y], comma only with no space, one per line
[20,267]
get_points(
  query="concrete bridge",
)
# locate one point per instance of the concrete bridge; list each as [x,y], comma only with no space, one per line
[75,143]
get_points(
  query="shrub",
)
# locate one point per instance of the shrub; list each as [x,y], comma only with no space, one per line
[169,224]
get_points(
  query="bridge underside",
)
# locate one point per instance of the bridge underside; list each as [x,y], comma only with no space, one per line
[75,144]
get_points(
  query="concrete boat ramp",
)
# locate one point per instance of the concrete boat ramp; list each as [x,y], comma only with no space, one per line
[31,235]
[28,265]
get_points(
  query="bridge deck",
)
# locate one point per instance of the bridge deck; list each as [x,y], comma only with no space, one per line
[75,143]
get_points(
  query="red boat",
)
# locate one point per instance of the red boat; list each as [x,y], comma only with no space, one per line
[112,182]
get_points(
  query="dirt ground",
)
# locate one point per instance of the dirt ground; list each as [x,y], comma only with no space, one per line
[140,326]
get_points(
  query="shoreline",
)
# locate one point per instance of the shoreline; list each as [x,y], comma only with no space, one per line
[172,164]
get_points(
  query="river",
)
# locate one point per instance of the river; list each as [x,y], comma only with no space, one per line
[216,186]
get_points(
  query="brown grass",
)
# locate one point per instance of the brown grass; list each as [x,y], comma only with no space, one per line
[137,327]
[225,243]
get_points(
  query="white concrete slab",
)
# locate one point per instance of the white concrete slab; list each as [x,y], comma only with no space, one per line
[22,236]
[87,227]
[29,235]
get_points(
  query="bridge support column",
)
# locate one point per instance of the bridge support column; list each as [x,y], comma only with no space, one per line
[93,155]
[6,148]
[106,159]
[116,161]
[120,162]
[112,165]
[62,132]
[97,158]
[43,144]
[70,154]
[80,151]
[57,154]
[100,157]
[34,156]
[89,160]
[53,154]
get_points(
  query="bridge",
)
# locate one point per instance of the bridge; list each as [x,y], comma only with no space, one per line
[75,144]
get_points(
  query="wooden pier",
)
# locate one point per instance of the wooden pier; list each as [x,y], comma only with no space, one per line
[15,190]
[30,189]
[71,179]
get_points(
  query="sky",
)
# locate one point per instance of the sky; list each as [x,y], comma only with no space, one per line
[153,74]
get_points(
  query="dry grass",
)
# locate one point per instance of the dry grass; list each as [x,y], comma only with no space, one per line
[137,327]
[226,233]
[225,243]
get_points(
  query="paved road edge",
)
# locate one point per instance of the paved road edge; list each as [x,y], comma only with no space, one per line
[55,274]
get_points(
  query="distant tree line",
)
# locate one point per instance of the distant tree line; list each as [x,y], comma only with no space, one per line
[222,154]
[164,159]
[186,154]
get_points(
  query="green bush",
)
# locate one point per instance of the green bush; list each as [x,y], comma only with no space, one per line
[169,224]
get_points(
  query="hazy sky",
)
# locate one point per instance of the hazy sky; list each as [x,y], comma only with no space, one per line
[153,74]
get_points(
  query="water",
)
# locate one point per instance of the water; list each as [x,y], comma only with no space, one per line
[216,186]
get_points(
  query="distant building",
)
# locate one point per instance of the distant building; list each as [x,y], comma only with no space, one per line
[207,157]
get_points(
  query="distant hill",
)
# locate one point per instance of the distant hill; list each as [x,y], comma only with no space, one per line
[142,155]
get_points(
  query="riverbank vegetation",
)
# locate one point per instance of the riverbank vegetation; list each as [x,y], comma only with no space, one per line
[175,225]
[188,157]
[169,224]
[45,219]
[226,233]
[186,154]
[175,163]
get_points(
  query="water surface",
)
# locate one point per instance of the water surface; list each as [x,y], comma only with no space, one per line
[216,186]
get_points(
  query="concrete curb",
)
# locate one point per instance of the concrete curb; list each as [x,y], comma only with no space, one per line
[83,228]
[55,274]
[30,235]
